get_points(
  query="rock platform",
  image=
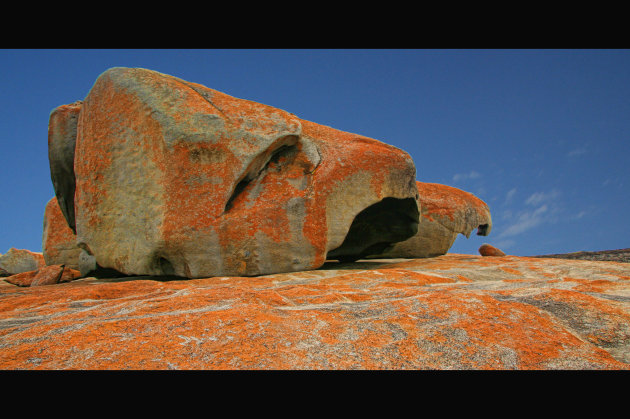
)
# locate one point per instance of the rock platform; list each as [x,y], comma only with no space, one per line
[449,312]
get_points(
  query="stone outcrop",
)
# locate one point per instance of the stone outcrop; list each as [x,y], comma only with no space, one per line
[47,275]
[489,250]
[59,245]
[174,178]
[445,212]
[614,255]
[62,134]
[16,261]
[447,312]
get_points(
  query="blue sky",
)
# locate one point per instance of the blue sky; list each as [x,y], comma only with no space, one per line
[542,136]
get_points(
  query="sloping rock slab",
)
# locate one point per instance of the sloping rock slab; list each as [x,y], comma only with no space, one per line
[449,312]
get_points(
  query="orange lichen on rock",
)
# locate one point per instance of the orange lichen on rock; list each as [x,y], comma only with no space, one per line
[443,201]
[23,279]
[445,212]
[46,275]
[59,245]
[368,315]
[173,177]
[511,271]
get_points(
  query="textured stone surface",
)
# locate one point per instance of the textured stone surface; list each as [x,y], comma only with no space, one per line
[615,255]
[62,134]
[445,212]
[59,243]
[16,261]
[47,275]
[448,312]
[489,250]
[175,178]
[23,279]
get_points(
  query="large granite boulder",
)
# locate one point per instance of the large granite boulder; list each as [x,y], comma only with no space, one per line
[445,212]
[16,261]
[59,243]
[448,312]
[174,178]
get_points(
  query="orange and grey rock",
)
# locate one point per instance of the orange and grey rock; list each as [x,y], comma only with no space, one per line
[62,134]
[46,275]
[174,178]
[59,243]
[445,212]
[489,250]
[16,261]
[447,312]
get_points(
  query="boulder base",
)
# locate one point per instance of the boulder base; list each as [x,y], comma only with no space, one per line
[448,312]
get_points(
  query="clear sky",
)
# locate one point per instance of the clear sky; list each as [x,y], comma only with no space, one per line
[542,136]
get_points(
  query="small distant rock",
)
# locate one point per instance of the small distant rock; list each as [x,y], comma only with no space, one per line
[16,261]
[488,250]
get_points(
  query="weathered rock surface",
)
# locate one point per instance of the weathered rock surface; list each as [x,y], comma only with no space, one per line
[445,212]
[59,243]
[615,255]
[448,312]
[62,134]
[175,178]
[16,261]
[47,275]
[489,250]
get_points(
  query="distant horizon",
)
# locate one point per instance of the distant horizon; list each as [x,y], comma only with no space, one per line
[541,136]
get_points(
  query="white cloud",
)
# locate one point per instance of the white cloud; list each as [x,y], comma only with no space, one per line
[526,220]
[510,195]
[542,197]
[577,152]
[579,215]
[463,176]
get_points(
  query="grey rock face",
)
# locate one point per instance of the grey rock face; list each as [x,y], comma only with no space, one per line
[16,261]
[62,134]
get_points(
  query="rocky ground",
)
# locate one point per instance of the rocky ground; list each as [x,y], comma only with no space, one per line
[448,312]
[619,255]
